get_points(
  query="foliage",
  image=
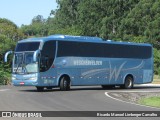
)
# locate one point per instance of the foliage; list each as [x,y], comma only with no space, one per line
[38,27]
[4,73]
[9,35]
[10,30]
[157,61]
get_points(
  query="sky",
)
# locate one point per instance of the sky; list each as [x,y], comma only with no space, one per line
[23,11]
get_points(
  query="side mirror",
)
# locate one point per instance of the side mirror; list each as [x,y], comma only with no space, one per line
[35,55]
[6,55]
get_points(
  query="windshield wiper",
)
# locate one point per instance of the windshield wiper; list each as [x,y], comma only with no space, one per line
[26,71]
[23,67]
[18,67]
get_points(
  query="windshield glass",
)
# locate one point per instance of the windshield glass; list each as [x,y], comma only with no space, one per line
[23,63]
[27,46]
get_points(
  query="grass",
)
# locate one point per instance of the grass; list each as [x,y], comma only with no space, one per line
[156,79]
[150,101]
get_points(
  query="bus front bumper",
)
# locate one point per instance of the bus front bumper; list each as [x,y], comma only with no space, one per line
[24,82]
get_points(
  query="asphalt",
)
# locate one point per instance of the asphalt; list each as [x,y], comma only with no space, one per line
[84,98]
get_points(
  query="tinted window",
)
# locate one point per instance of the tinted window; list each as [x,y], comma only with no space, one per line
[28,46]
[84,49]
[47,55]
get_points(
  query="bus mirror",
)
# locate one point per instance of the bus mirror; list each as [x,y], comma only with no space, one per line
[6,55]
[35,55]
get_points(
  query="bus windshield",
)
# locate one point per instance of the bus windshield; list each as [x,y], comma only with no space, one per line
[23,63]
[27,46]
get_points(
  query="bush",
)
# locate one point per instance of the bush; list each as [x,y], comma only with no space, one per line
[4,73]
[157,62]
[4,78]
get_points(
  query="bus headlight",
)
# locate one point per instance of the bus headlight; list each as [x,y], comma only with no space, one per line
[33,78]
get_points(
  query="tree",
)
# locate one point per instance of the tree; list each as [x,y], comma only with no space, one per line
[65,18]
[38,27]
[38,19]
[10,30]
[9,35]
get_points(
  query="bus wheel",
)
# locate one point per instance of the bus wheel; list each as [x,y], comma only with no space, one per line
[40,89]
[128,84]
[64,84]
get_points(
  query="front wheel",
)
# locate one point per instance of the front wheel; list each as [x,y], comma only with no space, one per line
[64,84]
[128,84]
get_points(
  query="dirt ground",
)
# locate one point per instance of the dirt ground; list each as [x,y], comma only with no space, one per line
[133,97]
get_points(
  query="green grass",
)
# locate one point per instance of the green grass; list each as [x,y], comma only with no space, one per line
[156,79]
[150,101]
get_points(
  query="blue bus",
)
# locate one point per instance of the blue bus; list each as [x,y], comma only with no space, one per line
[64,61]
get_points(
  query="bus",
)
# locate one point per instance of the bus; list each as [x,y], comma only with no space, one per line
[64,61]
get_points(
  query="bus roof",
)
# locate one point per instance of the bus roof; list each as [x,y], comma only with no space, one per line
[59,37]
[63,37]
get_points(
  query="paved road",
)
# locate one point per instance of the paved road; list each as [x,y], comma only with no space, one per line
[78,99]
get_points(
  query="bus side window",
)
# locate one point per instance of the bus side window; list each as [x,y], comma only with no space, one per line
[44,63]
[47,55]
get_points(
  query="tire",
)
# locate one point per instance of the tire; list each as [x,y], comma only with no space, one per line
[128,84]
[40,89]
[64,84]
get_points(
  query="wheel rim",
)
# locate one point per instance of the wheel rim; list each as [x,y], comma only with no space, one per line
[65,83]
[128,82]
